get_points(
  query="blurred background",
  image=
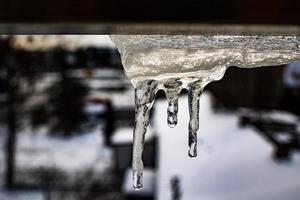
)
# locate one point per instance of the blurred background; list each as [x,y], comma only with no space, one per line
[67,116]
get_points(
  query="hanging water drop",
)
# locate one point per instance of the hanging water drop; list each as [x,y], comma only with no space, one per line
[144,96]
[172,113]
[172,90]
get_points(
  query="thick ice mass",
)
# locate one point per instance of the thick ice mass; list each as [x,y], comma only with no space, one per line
[168,56]
[174,62]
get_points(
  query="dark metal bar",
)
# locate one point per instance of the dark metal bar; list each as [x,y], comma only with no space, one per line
[148,17]
[146,28]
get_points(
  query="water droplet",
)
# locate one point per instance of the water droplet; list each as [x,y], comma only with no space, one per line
[172,113]
[137,180]
[193,149]
[172,89]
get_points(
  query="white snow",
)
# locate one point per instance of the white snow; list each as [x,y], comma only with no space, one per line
[70,154]
[21,195]
[120,99]
[276,115]
[94,108]
[13,195]
[42,42]
[232,163]
[283,137]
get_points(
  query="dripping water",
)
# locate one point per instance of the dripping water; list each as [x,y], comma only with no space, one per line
[172,88]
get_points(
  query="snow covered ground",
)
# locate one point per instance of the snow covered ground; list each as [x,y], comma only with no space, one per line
[69,154]
[21,195]
[232,163]
[72,155]
[13,195]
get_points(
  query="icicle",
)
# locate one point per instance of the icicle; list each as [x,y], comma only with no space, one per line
[172,113]
[172,90]
[194,92]
[144,97]
[186,58]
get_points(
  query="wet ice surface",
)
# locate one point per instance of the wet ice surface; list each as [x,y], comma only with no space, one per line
[162,56]
[174,62]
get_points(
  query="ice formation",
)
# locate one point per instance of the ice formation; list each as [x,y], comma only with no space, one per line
[174,62]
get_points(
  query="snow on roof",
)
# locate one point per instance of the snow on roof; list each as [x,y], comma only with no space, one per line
[43,42]
[71,154]
[282,116]
[277,115]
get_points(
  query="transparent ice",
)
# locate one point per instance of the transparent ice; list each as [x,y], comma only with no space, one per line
[175,62]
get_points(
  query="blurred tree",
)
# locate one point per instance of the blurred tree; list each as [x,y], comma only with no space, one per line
[11,121]
[17,70]
[14,100]
[66,100]
[65,105]
[39,116]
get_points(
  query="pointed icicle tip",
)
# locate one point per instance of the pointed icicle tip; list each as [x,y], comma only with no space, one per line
[172,114]
[137,180]
[193,150]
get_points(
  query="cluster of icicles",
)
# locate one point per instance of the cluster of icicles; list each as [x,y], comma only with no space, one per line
[145,92]
[175,62]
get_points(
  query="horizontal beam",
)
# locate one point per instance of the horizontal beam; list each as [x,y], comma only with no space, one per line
[149,16]
[147,28]
[120,11]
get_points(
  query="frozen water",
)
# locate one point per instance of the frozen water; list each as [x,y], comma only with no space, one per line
[172,89]
[144,97]
[174,62]
[195,89]
[162,56]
